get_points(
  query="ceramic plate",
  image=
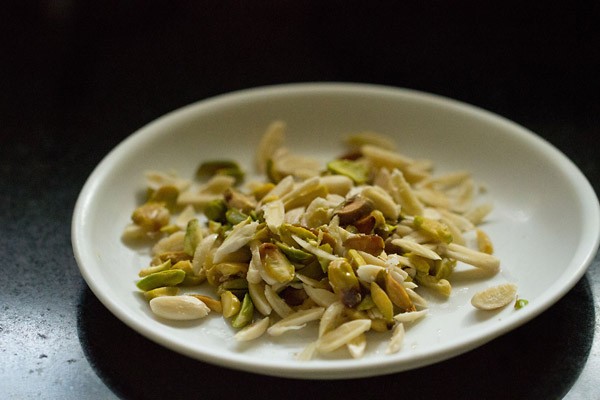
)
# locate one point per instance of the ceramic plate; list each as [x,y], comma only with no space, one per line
[545,224]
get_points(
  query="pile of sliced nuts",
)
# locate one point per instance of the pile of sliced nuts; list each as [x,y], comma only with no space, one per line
[342,246]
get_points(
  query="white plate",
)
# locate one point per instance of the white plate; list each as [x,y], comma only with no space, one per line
[545,225]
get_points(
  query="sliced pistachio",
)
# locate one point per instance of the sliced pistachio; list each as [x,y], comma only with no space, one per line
[342,335]
[295,255]
[438,230]
[444,268]
[372,244]
[161,291]
[240,201]
[305,197]
[365,224]
[484,243]
[344,282]
[366,303]
[239,287]
[179,307]
[230,304]
[173,256]
[169,277]
[155,268]
[355,258]
[382,301]
[208,169]
[193,236]
[234,216]
[494,297]
[275,263]
[215,210]
[167,195]
[245,315]
[397,293]
[354,209]
[357,171]
[214,304]
[218,273]
[191,279]
[151,216]
[441,286]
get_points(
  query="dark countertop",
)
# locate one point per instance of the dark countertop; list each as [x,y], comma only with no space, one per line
[78,77]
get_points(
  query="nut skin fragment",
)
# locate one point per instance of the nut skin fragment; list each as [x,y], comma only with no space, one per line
[354,209]
[494,297]
[372,244]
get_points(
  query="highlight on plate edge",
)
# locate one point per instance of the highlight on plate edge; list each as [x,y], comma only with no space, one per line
[346,247]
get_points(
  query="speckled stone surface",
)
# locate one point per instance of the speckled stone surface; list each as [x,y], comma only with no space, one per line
[77,78]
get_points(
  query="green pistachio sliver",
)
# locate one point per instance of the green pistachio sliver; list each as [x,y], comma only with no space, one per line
[155,268]
[238,286]
[169,277]
[215,210]
[441,286]
[276,264]
[161,291]
[382,301]
[366,303]
[520,303]
[234,216]
[354,170]
[436,229]
[193,236]
[294,254]
[165,194]
[208,169]
[230,304]
[244,317]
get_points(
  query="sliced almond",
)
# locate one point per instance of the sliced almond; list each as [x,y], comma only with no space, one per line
[179,307]
[494,297]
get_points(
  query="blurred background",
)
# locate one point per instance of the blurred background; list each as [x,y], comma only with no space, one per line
[77,77]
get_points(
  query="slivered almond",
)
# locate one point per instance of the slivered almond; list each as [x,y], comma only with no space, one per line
[494,297]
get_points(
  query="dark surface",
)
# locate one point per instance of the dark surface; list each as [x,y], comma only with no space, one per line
[78,77]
